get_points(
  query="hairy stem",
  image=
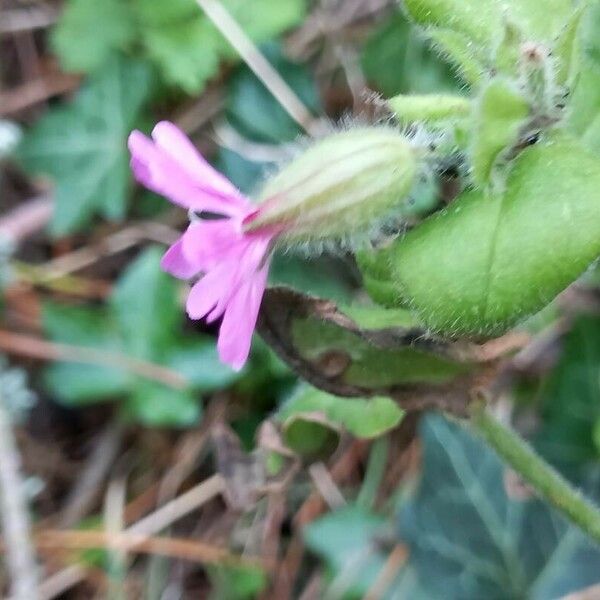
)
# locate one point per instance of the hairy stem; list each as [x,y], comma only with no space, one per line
[547,482]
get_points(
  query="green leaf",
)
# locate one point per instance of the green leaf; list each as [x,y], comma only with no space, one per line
[469,539]
[237,582]
[429,108]
[567,49]
[364,418]
[487,261]
[395,59]
[82,147]
[481,20]
[76,383]
[347,540]
[460,52]
[88,32]
[498,117]
[570,403]
[155,405]
[254,110]
[371,367]
[508,53]
[198,361]
[145,305]
[186,53]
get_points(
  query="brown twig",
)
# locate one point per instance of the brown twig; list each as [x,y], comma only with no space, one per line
[125,541]
[33,347]
[27,218]
[259,65]
[83,494]
[36,91]
[140,531]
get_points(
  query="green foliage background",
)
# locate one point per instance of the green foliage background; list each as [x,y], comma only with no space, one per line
[524,225]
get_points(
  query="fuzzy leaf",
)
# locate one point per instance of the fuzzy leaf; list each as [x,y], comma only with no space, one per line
[498,118]
[460,52]
[481,20]
[429,108]
[487,261]
[82,146]
[396,59]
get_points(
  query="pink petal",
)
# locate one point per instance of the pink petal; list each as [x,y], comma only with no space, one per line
[161,173]
[175,262]
[208,243]
[177,145]
[215,286]
[235,335]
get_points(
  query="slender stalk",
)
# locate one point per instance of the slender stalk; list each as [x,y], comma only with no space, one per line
[20,556]
[547,482]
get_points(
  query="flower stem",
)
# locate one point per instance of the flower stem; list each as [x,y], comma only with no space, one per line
[547,482]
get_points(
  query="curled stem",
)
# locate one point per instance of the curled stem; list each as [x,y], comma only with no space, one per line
[547,482]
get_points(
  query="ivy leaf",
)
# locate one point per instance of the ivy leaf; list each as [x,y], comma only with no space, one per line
[83,45]
[499,115]
[82,146]
[488,261]
[469,539]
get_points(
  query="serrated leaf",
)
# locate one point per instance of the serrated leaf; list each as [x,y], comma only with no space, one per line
[75,383]
[487,261]
[83,45]
[469,539]
[82,146]
[158,406]
[144,303]
[499,116]
[198,361]
[186,53]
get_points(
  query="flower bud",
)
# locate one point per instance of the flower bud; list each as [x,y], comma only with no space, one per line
[338,187]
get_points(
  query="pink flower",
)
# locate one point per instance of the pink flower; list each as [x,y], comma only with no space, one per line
[232,264]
